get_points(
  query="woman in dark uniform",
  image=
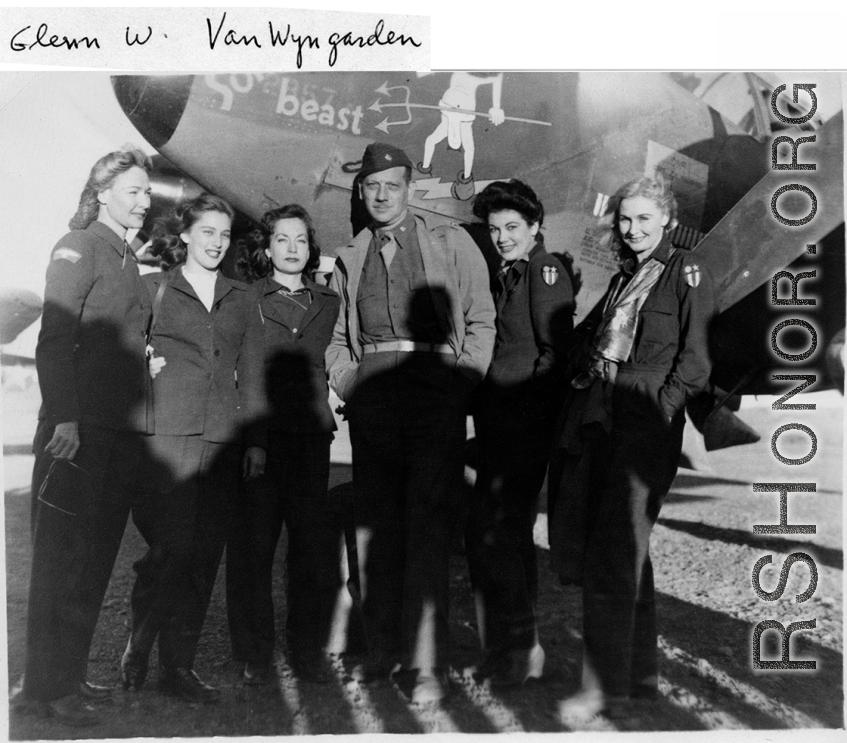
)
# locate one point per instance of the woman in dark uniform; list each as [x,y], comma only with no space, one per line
[298,316]
[209,404]
[514,414]
[89,444]
[622,439]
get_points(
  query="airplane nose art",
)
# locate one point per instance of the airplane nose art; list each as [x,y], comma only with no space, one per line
[153,104]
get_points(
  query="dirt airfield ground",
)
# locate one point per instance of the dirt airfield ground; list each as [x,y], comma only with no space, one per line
[703,551]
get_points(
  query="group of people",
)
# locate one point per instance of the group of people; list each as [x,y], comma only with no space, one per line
[199,404]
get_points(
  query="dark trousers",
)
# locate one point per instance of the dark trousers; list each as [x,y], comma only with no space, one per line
[619,612]
[513,449]
[408,427]
[193,489]
[293,492]
[77,530]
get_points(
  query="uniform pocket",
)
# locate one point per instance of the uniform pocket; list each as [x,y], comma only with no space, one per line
[662,303]
[658,331]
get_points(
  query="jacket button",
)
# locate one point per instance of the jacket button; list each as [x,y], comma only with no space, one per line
[217,352]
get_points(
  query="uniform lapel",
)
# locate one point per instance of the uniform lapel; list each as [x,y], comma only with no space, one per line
[108,235]
[180,283]
[222,288]
[436,275]
[353,259]
[269,307]
[318,303]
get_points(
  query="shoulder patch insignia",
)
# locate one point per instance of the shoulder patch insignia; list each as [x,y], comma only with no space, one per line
[692,275]
[66,254]
[550,274]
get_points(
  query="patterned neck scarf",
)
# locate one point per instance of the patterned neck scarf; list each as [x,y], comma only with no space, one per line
[615,336]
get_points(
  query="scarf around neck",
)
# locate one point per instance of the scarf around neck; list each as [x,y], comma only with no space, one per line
[615,335]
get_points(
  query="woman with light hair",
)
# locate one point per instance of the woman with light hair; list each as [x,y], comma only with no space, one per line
[646,356]
[89,445]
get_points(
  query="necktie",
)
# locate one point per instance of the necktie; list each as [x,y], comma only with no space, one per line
[504,277]
[388,249]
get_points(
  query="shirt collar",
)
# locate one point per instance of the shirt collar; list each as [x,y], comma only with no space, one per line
[271,285]
[662,253]
[108,234]
[521,263]
[400,231]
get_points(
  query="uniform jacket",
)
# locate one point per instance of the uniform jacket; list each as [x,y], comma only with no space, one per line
[295,368]
[453,264]
[534,326]
[212,384]
[90,353]
[672,336]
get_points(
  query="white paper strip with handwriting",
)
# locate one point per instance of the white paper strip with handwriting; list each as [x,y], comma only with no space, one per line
[208,39]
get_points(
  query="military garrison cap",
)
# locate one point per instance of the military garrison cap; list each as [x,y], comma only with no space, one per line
[380,156]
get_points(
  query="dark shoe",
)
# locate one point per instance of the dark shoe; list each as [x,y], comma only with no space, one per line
[256,674]
[133,668]
[377,667]
[647,689]
[72,710]
[94,694]
[311,667]
[520,666]
[20,704]
[495,661]
[185,684]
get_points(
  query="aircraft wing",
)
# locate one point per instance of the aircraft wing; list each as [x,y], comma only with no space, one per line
[748,245]
[19,309]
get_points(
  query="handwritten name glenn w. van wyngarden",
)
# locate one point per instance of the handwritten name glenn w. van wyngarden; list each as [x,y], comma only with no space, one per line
[218,34]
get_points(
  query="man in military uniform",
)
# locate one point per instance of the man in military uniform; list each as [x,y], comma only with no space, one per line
[414,336]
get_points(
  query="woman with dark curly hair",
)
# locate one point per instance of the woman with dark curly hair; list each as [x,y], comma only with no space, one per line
[620,443]
[514,414]
[298,316]
[206,335]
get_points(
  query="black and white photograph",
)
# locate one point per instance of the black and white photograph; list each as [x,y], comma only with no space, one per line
[470,401]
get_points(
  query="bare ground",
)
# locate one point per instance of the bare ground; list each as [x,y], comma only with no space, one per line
[703,551]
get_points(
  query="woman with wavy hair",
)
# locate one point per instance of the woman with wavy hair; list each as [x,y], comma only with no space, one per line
[298,316]
[646,356]
[89,444]
[514,413]
[206,346]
